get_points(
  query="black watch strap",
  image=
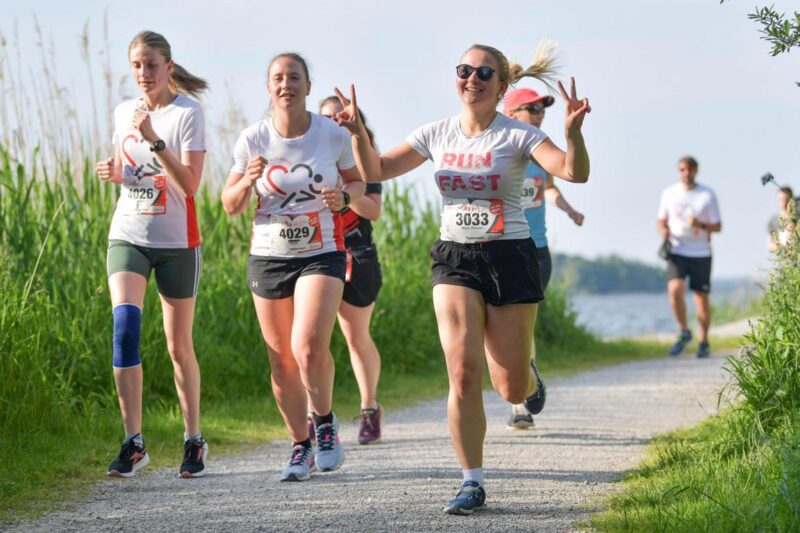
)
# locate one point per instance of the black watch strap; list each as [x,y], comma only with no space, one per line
[346,198]
[158,146]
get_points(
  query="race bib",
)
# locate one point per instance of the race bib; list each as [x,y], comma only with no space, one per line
[532,192]
[472,220]
[295,234]
[143,179]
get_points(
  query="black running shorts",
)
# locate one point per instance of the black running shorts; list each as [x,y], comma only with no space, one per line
[364,279]
[697,268]
[503,271]
[275,278]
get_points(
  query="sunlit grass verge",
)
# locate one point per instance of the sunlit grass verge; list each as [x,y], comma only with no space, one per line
[707,479]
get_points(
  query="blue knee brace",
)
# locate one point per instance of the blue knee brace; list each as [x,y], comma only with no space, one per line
[127,329]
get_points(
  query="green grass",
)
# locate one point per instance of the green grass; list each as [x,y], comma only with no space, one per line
[739,471]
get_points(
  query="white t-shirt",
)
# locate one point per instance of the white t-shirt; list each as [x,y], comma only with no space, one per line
[480,178]
[678,206]
[152,210]
[290,219]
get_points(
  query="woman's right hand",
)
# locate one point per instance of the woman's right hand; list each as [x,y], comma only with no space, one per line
[255,169]
[105,169]
[349,117]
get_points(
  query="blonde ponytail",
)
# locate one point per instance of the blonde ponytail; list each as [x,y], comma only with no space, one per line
[544,66]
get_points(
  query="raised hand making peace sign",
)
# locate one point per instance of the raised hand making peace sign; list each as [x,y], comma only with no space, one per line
[576,108]
[349,117]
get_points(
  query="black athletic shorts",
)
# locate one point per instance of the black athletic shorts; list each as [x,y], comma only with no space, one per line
[503,271]
[545,265]
[363,279]
[275,277]
[697,268]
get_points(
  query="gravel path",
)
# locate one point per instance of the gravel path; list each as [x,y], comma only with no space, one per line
[594,427]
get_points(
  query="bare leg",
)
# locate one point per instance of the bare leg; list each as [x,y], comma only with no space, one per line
[676,289]
[316,299]
[364,356]
[275,319]
[509,349]
[129,288]
[178,321]
[703,307]
[461,315]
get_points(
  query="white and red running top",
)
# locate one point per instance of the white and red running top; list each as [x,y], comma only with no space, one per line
[152,209]
[290,218]
[479,178]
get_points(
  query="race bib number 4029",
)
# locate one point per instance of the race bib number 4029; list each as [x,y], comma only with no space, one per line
[472,220]
[295,234]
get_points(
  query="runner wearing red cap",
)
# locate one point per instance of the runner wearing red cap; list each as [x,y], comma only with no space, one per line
[486,281]
[528,106]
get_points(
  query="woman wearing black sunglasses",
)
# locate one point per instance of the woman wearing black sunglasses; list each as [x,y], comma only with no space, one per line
[485,275]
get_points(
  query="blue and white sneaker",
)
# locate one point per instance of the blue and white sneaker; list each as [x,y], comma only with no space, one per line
[684,338]
[535,402]
[300,466]
[330,455]
[470,497]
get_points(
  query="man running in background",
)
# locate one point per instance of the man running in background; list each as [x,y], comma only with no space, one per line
[528,106]
[687,216]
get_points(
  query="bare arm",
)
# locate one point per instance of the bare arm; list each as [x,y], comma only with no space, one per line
[572,165]
[553,196]
[369,206]
[238,188]
[663,228]
[373,167]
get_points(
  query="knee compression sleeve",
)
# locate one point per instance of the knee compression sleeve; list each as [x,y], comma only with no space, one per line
[127,329]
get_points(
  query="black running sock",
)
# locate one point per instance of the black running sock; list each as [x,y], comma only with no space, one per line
[305,444]
[326,419]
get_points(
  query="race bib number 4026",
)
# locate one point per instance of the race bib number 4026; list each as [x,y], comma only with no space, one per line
[295,234]
[472,220]
[146,195]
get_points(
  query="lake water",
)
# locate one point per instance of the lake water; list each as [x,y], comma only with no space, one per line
[621,315]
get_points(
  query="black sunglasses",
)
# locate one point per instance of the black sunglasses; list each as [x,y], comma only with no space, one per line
[465,71]
[532,108]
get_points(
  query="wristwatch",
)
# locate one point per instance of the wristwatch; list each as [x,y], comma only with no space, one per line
[158,146]
[346,198]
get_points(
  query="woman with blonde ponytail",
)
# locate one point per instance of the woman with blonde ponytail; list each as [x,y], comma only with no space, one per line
[159,141]
[486,282]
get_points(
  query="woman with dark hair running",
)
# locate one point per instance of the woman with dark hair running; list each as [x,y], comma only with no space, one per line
[297,266]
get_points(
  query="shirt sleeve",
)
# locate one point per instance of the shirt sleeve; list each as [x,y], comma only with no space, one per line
[346,160]
[420,141]
[531,139]
[241,154]
[193,131]
[713,209]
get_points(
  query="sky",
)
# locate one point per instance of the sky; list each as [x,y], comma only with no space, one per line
[665,78]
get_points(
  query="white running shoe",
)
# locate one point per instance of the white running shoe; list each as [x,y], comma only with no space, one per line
[520,418]
[330,455]
[300,466]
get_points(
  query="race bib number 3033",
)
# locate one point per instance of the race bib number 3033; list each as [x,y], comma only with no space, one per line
[295,234]
[472,220]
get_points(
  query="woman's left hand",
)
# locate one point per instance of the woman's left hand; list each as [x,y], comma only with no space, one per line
[348,117]
[142,124]
[576,108]
[333,198]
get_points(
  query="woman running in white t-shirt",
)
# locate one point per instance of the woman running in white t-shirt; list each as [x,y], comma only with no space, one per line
[485,274]
[160,148]
[297,264]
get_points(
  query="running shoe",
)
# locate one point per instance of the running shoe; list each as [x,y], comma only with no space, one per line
[195,452]
[535,402]
[301,464]
[684,338]
[703,350]
[330,455]
[520,418]
[132,457]
[369,430]
[470,497]
[312,429]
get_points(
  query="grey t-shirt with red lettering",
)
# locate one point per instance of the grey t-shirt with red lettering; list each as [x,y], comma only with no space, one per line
[479,178]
